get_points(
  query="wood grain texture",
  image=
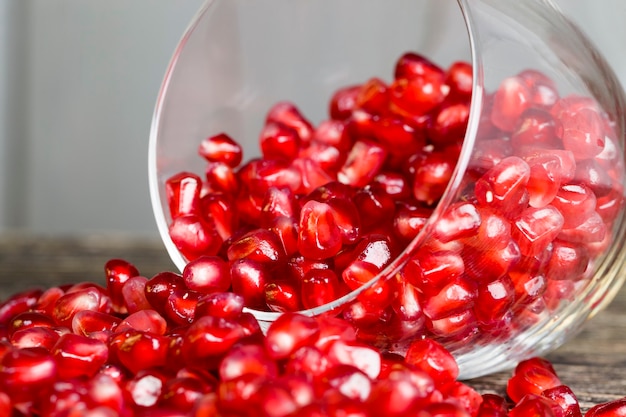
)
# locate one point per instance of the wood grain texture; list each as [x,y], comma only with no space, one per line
[593,363]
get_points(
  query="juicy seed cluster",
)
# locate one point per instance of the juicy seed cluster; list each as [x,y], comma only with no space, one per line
[327,208]
[71,351]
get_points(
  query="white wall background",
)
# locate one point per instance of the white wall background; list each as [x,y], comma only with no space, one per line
[78,82]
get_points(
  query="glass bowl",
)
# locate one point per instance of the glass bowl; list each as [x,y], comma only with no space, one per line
[526,240]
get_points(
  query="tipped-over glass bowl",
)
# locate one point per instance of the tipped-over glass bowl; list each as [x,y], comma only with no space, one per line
[541,163]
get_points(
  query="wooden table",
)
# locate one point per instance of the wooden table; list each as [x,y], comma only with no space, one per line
[593,363]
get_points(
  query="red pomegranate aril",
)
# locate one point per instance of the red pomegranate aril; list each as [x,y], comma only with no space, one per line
[117,272]
[373,96]
[343,102]
[279,141]
[208,337]
[145,388]
[220,178]
[221,148]
[87,322]
[319,287]
[332,133]
[613,408]
[493,405]
[77,356]
[545,180]
[160,287]
[349,381]
[411,64]
[139,350]
[180,306]
[592,174]
[459,78]
[319,235]
[286,229]
[73,302]
[181,394]
[18,303]
[449,124]
[134,294]
[27,373]
[399,138]
[248,280]
[220,208]
[183,194]
[510,101]
[583,133]
[259,245]
[278,202]
[531,376]
[459,328]
[565,398]
[537,405]
[247,359]
[46,301]
[363,163]
[288,333]
[374,207]
[430,271]
[309,362]
[289,115]
[34,337]
[494,299]
[536,228]
[207,274]
[456,296]
[220,304]
[194,236]
[410,220]
[536,128]
[356,354]
[147,320]
[431,357]
[501,187]
[258,175]
[283,296]
[418,94]
[576,202]
[460,220]
[432,174]
[29,319]
[238,395]
[592,230]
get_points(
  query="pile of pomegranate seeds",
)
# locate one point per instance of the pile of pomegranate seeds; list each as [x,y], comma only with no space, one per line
[327,208]
[139,348]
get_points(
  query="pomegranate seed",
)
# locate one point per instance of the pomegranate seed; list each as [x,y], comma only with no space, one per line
[209,337]
[583,133]
[248,280]
[219,178]
[502,187]
[510,101]
[77,355]
[290,332]
[138,350]
[117,272]
[455,297]
[227,305]
[221,148]
[459,78]
[410,220]
[247,359]
[134,294]
[532,404]
[86,322]
[532,376]
[307,361]
[18,303]
[183,194]
[194,236]
[160,287]
[289,115]
[73,302]
[432,358]
[207,274]
[319,235]
[363,162]
[608,409]
[449,124]
[343,102]
[220,208]
[373,96]
[259,245]
[432,176]
[565,398]
[33,337]
[430,271]
[493,406]
[358,355]
[536,128]
[282,296]
[29,319]
[145,388]
[181,394]
[27,373]
[279,141]
[319,287]
[535,228]
[144,320]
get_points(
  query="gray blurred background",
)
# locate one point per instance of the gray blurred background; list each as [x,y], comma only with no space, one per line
[78,82]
